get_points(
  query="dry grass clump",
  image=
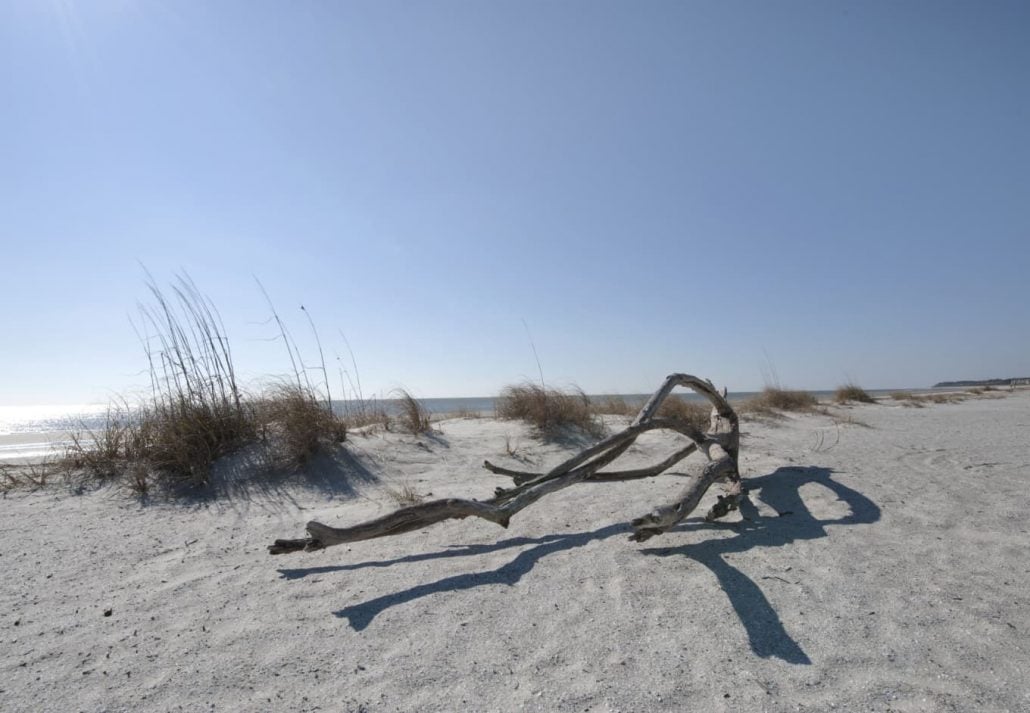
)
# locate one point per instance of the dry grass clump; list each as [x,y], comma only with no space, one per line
[362,413]
[952,398]
[464,413]
[296,424]
[849,421]
[907,398]
[551,411]
[181,439]
[405,495]
[695,413]
[197,412]
[8,478]
[178,439]
[414,416]
[103,453]
[614,406]
[512,448]
[32,476]
[986,392]
[852,392]
[774,399]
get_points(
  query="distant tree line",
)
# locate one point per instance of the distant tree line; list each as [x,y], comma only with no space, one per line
[1020,381]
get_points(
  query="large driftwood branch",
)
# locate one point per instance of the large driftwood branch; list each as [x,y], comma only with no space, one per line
[721,445]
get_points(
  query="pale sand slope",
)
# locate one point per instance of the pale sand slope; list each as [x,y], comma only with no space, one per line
[899,580]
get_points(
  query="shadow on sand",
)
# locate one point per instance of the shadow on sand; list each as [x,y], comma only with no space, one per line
[251,477]
[361,615]
[767,636]
[781,491]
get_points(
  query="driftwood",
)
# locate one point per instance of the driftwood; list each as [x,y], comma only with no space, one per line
[721,446]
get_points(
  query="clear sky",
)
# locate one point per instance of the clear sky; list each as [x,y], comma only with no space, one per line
[805,191]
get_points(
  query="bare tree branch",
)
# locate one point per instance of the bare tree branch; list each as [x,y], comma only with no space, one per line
[586,466]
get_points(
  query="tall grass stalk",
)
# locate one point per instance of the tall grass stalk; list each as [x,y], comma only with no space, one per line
[285,334]
[197,412]
[536,356]
[321,356]
[358,410]
[414,416]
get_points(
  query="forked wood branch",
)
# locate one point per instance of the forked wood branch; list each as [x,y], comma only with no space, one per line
[720,445]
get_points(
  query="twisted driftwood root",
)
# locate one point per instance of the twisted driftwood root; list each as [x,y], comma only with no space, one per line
[721,445]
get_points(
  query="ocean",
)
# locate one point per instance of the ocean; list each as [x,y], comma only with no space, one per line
[28,432]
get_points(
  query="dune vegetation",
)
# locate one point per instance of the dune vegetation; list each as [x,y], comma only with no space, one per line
[852,393]
[197,412]
[773,400]
[552,412]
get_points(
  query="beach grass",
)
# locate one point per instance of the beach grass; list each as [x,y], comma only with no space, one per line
[696,413]
[405,495]
[296,424]
[773,400]
[414,416]
[367,414]
[852,393]
[907,398]
[28,476]
[552,412]
[615,406]
[465,413]
[949,398]
[197,412]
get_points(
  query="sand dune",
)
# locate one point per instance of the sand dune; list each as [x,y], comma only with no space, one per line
[879,567]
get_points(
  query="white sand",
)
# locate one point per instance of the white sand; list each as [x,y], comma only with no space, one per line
[900,581]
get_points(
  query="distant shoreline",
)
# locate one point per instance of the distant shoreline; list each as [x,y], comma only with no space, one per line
[21,420]
[1014,381]
[32,432]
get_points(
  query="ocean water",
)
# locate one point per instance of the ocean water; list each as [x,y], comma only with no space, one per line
[36,419]
[24,420]
[32,431]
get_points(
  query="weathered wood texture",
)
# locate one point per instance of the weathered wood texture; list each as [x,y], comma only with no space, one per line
[721,446]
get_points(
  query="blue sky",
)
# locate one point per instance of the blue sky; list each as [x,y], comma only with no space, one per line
[810,191]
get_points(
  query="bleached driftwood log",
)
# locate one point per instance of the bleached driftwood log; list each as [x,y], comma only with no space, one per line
[721,446]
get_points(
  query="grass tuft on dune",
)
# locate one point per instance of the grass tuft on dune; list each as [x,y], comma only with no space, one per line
[552,412]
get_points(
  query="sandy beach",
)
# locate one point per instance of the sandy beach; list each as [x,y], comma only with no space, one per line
[881,565]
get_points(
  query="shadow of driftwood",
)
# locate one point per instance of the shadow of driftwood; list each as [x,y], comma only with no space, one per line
[453,551]
[781,491]
[361,615]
